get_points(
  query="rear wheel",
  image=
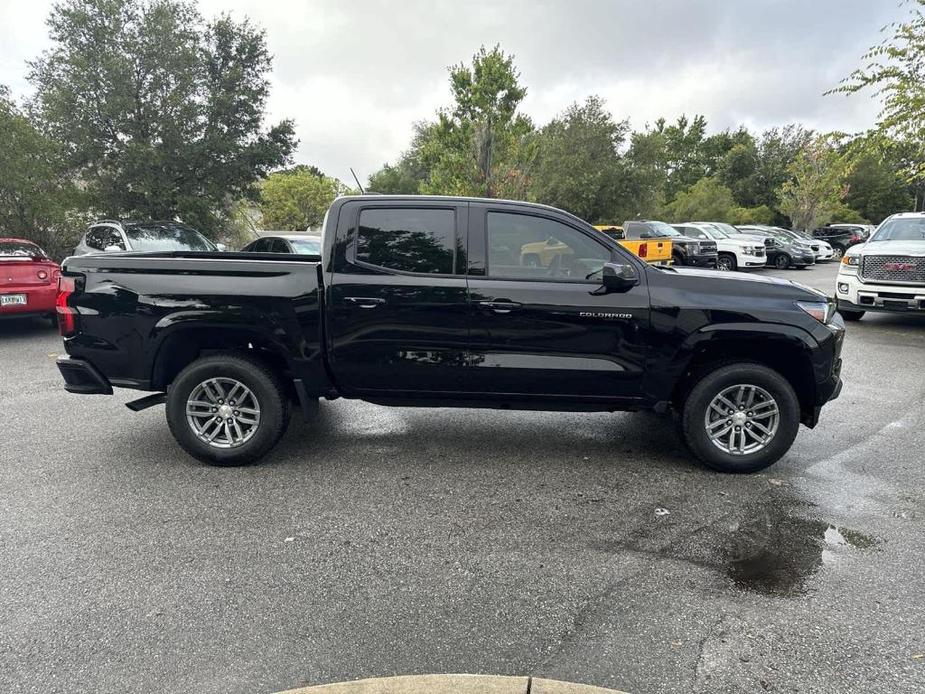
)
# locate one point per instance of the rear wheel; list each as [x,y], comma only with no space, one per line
[677,259]
[782,262]
[726,261]
[227,409]
[740,418]
[851,315]
[837,252]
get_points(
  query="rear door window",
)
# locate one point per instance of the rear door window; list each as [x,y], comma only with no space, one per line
[415,240]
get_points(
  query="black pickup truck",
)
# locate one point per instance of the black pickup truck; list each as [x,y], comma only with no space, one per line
[447,302]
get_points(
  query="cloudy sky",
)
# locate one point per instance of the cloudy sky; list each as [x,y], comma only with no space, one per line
[356,74]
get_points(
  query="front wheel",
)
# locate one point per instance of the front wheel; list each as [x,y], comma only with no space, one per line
[740,418]
[726,261]
[227,409]
[782,262]
[837,252]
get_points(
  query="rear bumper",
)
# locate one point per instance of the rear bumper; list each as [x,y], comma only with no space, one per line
[82,377]
[39,300]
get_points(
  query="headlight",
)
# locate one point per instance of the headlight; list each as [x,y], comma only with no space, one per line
[851,260]
[822,311]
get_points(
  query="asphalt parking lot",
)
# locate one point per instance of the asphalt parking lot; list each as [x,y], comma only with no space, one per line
[375,541]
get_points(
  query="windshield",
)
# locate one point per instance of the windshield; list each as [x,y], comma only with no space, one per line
[910,229]
[714,231]
[306,246]
[662,229]
[166,236]
[20,249]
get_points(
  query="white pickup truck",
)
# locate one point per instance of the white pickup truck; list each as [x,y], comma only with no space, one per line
[887,273]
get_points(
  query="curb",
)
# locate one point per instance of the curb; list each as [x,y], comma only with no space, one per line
[452,684]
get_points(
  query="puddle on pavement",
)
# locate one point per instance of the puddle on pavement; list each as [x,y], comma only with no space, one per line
[775,549]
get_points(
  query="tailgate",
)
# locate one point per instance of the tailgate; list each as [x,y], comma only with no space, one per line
[655,251]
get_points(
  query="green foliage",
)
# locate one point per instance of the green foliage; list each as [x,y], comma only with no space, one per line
[707,199]
[296,200]
[895,72]
[817,186]
[578,165]
[405,177]
[38,200]
[481,145]
[160,113]
[877,186]
[750,215]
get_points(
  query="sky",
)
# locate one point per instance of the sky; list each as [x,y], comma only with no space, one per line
[355,76]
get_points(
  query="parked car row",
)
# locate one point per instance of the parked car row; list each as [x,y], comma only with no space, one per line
[727,247]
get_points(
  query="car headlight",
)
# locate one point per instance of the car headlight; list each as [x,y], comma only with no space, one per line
[851,260]
[822,311]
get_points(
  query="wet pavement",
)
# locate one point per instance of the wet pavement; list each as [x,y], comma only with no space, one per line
[375,541]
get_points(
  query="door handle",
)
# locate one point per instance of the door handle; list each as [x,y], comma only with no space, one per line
[364,301]
[500,306]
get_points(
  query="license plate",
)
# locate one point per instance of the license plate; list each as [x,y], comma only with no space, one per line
[12,299]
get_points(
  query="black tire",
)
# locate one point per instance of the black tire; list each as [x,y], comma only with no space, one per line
[694,412]
[677,259]
[782,262]
[851,315]
[267,389]
[726,261]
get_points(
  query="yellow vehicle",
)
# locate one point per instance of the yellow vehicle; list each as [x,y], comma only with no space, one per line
[653,251]
[542,253]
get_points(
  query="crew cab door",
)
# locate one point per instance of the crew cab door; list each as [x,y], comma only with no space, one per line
[547,329]
[397,304]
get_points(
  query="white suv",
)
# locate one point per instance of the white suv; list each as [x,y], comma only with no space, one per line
[887,273]
[733,253]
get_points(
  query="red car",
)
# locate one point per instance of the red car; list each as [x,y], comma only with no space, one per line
[28,279]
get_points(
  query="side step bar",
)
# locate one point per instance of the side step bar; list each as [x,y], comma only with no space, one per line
[146,402]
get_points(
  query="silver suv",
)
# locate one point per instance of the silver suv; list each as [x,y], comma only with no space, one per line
[109,235]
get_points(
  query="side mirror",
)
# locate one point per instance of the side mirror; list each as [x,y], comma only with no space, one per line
[113,249]
[618,277]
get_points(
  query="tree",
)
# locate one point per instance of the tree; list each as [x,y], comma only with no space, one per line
[407,176]
[877,187]
[818,185]
[895,71]
[708,199]
[38,199]
[777,149]
[296,200]
[577,164]
[161,114]
[481,145]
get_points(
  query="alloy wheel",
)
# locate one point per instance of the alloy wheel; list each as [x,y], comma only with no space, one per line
[742,419]
[223,412]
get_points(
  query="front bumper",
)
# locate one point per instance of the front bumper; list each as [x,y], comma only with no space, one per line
[699,260]
[855,295]
[802,260]
[82,377]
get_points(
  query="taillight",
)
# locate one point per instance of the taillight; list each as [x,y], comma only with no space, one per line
[42,275]
[67,316]
[643,250]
